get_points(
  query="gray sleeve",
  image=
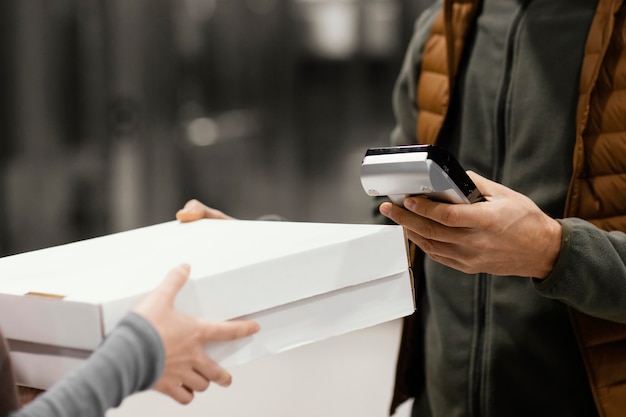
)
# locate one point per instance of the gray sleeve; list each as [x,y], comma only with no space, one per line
[130,359]
[590,273]
[405,89]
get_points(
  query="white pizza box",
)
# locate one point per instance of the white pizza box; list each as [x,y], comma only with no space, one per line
[302,282]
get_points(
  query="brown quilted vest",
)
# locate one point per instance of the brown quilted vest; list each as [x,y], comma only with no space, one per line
[597,189]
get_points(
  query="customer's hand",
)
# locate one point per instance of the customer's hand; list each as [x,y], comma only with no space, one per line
[187,368]
[195,210]
[505,235]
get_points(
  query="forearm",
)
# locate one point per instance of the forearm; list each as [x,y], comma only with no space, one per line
[124,364]
[590,273]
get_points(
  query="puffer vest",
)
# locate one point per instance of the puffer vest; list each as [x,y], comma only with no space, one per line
[597,187]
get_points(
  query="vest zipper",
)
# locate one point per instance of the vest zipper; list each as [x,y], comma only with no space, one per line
[478,380]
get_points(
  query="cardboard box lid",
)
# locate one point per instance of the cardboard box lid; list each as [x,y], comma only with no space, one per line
[72,295]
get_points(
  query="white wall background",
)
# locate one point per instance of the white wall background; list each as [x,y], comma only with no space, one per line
[346,376]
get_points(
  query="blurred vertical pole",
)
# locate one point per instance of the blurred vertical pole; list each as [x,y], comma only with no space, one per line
[55,185]
[93,80]
[7,39]
[142,113]
[38,176]
[126,26]
[161,74]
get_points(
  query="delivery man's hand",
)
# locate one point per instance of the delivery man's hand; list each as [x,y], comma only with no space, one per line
[187,368]
[195,210]
[505,235]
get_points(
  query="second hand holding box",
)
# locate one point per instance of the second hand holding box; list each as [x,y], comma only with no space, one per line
[303,282]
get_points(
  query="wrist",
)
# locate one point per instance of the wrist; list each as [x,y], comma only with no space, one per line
[552,238]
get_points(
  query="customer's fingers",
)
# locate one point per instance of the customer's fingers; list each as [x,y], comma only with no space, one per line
[227,330]
[213,372]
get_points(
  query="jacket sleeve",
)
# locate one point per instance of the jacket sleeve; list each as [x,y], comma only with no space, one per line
[405,89]
[130,359]
[590,273]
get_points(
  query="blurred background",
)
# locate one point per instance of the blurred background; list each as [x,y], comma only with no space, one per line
[114,113]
